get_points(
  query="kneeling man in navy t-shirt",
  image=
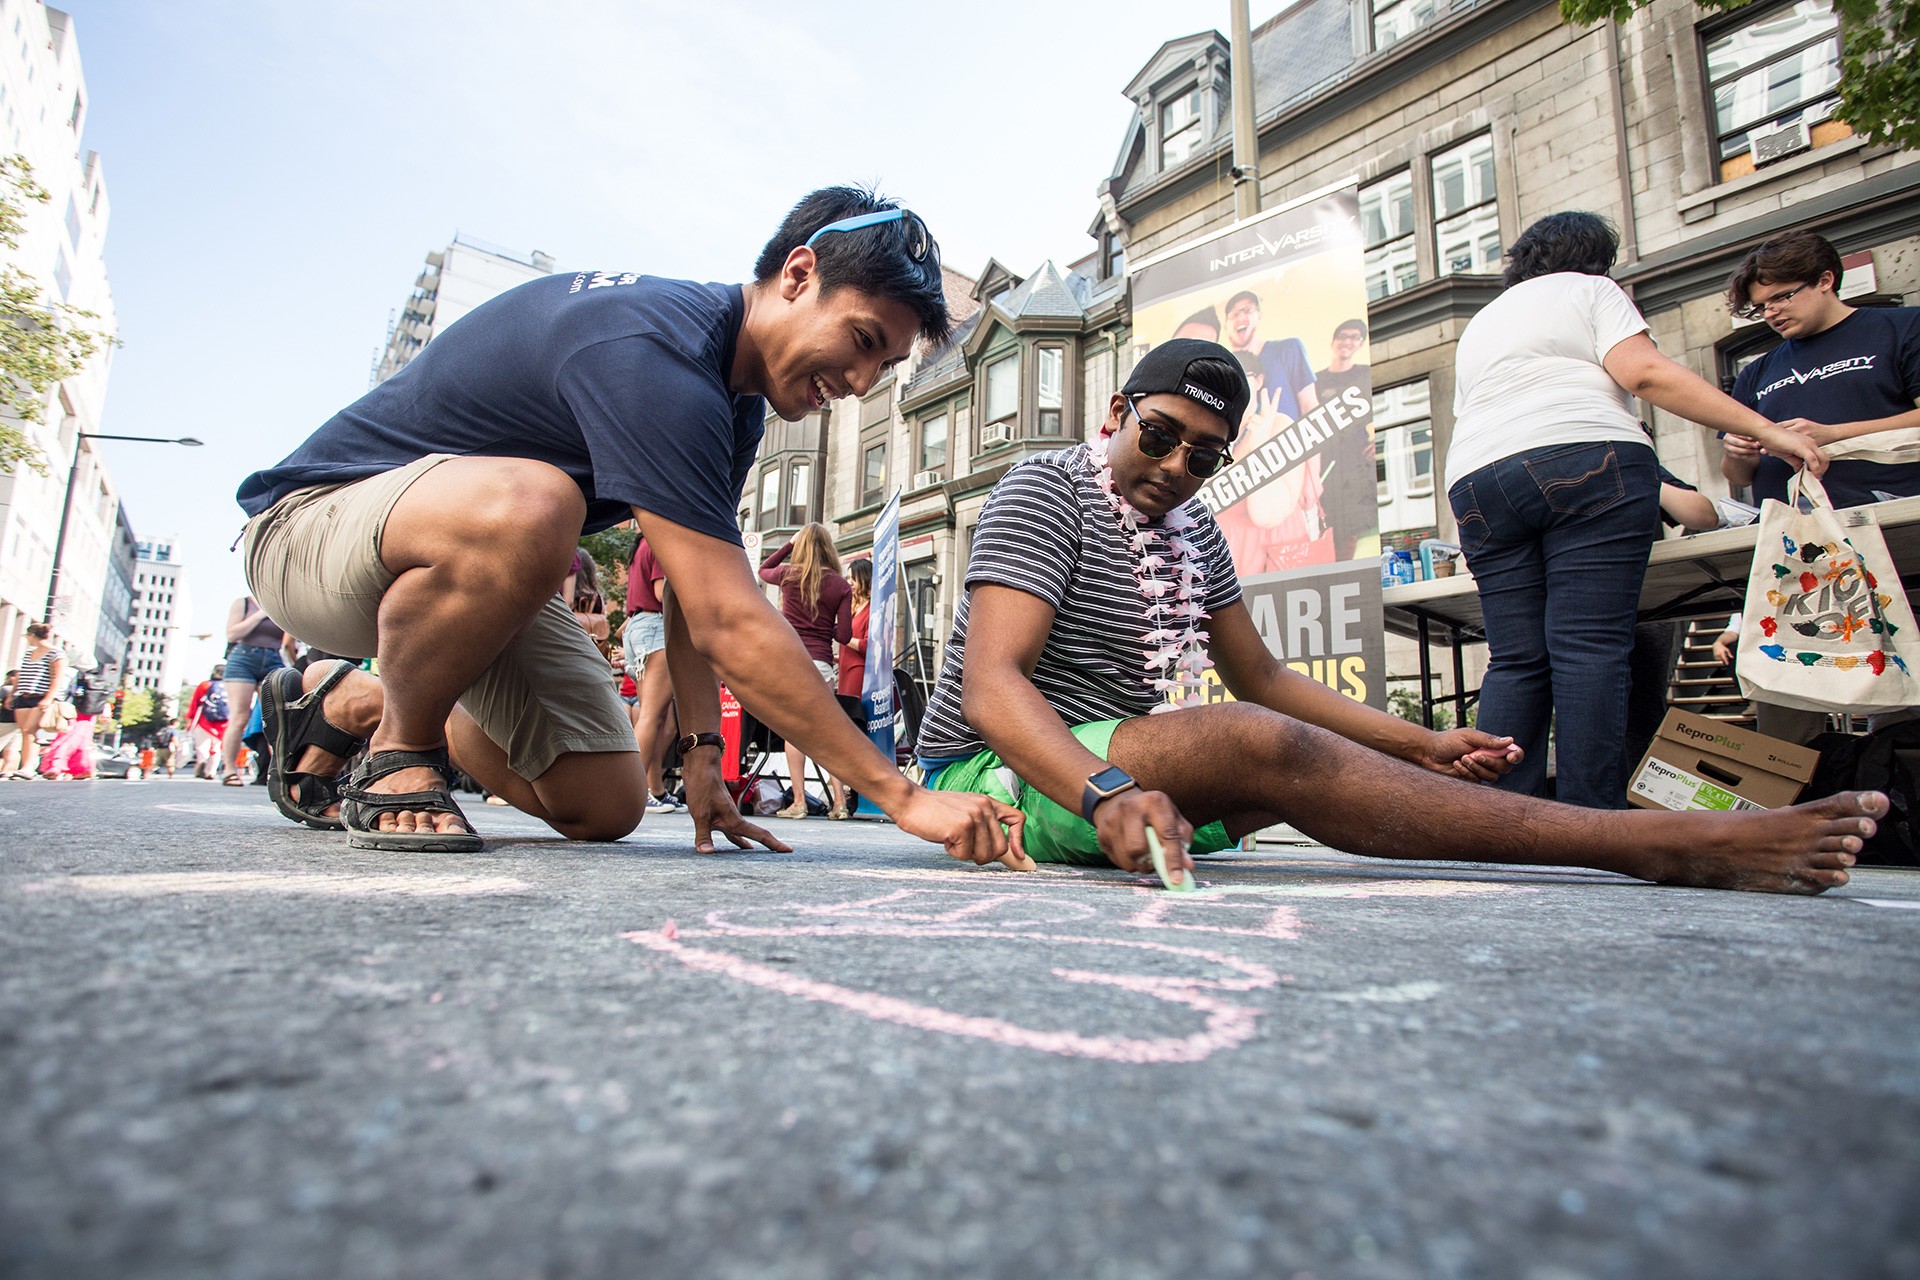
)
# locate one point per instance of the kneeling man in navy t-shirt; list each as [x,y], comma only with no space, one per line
[430,523]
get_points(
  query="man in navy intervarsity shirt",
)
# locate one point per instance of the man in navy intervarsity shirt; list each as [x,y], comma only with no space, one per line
[1847,376]
[430,524]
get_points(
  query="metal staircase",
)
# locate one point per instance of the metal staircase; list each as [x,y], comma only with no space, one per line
[1700,684]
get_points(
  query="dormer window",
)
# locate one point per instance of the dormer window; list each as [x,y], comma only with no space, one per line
[1180,133]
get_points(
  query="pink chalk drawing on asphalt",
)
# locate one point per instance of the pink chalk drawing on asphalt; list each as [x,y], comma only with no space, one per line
[1215,991]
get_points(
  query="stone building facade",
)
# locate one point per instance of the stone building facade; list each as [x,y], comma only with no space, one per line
[1464,123]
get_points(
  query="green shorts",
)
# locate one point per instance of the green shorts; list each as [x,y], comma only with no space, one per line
[1053,834]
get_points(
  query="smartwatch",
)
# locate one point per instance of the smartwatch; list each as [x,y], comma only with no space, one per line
[693,740]
[1104,785]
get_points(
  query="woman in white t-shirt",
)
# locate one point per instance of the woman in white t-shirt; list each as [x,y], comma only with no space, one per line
[1557,496]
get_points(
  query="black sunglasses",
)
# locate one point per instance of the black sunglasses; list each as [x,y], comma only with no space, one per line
[1157,442]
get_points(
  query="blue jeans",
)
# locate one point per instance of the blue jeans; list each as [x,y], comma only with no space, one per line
[1557,541]
[251,662]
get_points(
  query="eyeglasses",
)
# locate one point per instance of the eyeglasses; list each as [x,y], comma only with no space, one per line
[1157,442]
[920,246]
[1753,311]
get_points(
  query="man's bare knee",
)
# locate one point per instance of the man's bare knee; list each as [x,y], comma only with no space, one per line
[607,818]
[594,796]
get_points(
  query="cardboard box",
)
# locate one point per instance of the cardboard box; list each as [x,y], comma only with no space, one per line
[1697,762]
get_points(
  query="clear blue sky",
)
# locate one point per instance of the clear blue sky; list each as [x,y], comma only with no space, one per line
[278,171]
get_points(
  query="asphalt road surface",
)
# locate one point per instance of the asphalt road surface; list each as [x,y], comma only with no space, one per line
[230,1047]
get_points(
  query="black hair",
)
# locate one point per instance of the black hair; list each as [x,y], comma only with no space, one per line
[1582,242]
[1798,257]
[1344,325]
[1250,364]
[1206,318]
[1224,378]
[873,259]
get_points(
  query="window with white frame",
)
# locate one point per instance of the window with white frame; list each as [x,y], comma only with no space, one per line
[1780,66]
[1403,456]
[1386,221]
[1003,389]
[1465,209]
[1049,370]
[1398,19]
[933,442]
[1097,378]
[1180,128]
[770,492]
[800,491]
[873,473]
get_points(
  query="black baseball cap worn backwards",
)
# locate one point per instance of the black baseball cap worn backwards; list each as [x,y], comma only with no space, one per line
[1163,371]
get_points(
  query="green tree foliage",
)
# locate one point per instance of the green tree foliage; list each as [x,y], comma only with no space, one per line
[612,552]
[142,714]
[42,342]
[1879,70]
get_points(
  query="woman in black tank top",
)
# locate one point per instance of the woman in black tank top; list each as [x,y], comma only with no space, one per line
[255,647]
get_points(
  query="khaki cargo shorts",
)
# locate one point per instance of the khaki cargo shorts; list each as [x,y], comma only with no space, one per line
[313,563]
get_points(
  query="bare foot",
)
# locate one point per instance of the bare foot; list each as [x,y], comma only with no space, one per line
[1804,849]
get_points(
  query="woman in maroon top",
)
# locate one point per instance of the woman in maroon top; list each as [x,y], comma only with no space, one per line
[850,629]
[807,571]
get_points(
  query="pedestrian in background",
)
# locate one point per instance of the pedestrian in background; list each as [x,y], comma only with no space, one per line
[70,754]
[9,731]
[207,720]
[587,602]
[644,642]
[255,645]
[1556,491]
[41,672]
[850,633]
[812,588]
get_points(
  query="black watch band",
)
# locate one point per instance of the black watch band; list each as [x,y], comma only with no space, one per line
[693,740]
[1109,782]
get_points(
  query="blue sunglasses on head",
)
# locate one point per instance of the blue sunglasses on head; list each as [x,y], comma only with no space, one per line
[919,244]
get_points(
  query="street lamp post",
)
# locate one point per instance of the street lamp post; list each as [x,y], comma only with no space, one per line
[66,506]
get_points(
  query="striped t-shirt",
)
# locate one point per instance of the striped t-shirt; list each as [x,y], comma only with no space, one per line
[36,676]
[1047,530]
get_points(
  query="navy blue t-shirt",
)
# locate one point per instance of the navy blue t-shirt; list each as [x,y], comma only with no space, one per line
[1865,367]
[619,380]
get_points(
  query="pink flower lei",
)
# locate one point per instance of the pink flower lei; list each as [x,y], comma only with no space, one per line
[1166,571]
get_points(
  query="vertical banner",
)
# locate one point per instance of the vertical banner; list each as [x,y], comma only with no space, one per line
[882,617]
[1286,293]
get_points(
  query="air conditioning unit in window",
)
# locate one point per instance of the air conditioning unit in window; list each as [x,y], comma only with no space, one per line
[925,479]
[998,433]
[1778,144]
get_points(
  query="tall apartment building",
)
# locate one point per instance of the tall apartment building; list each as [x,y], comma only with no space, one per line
[454,281]
[43,107]
[160,599]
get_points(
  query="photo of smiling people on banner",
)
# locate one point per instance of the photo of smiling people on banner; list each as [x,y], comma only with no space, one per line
[1302,490]
[1285,292]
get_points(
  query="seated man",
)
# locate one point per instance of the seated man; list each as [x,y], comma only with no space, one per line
[432,522]
[1093,571]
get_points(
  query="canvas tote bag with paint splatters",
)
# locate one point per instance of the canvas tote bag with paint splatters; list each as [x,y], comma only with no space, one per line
[1826,625]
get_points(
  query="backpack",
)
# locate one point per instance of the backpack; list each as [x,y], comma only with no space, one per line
[90,695]
[213,707]
[1889,761]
